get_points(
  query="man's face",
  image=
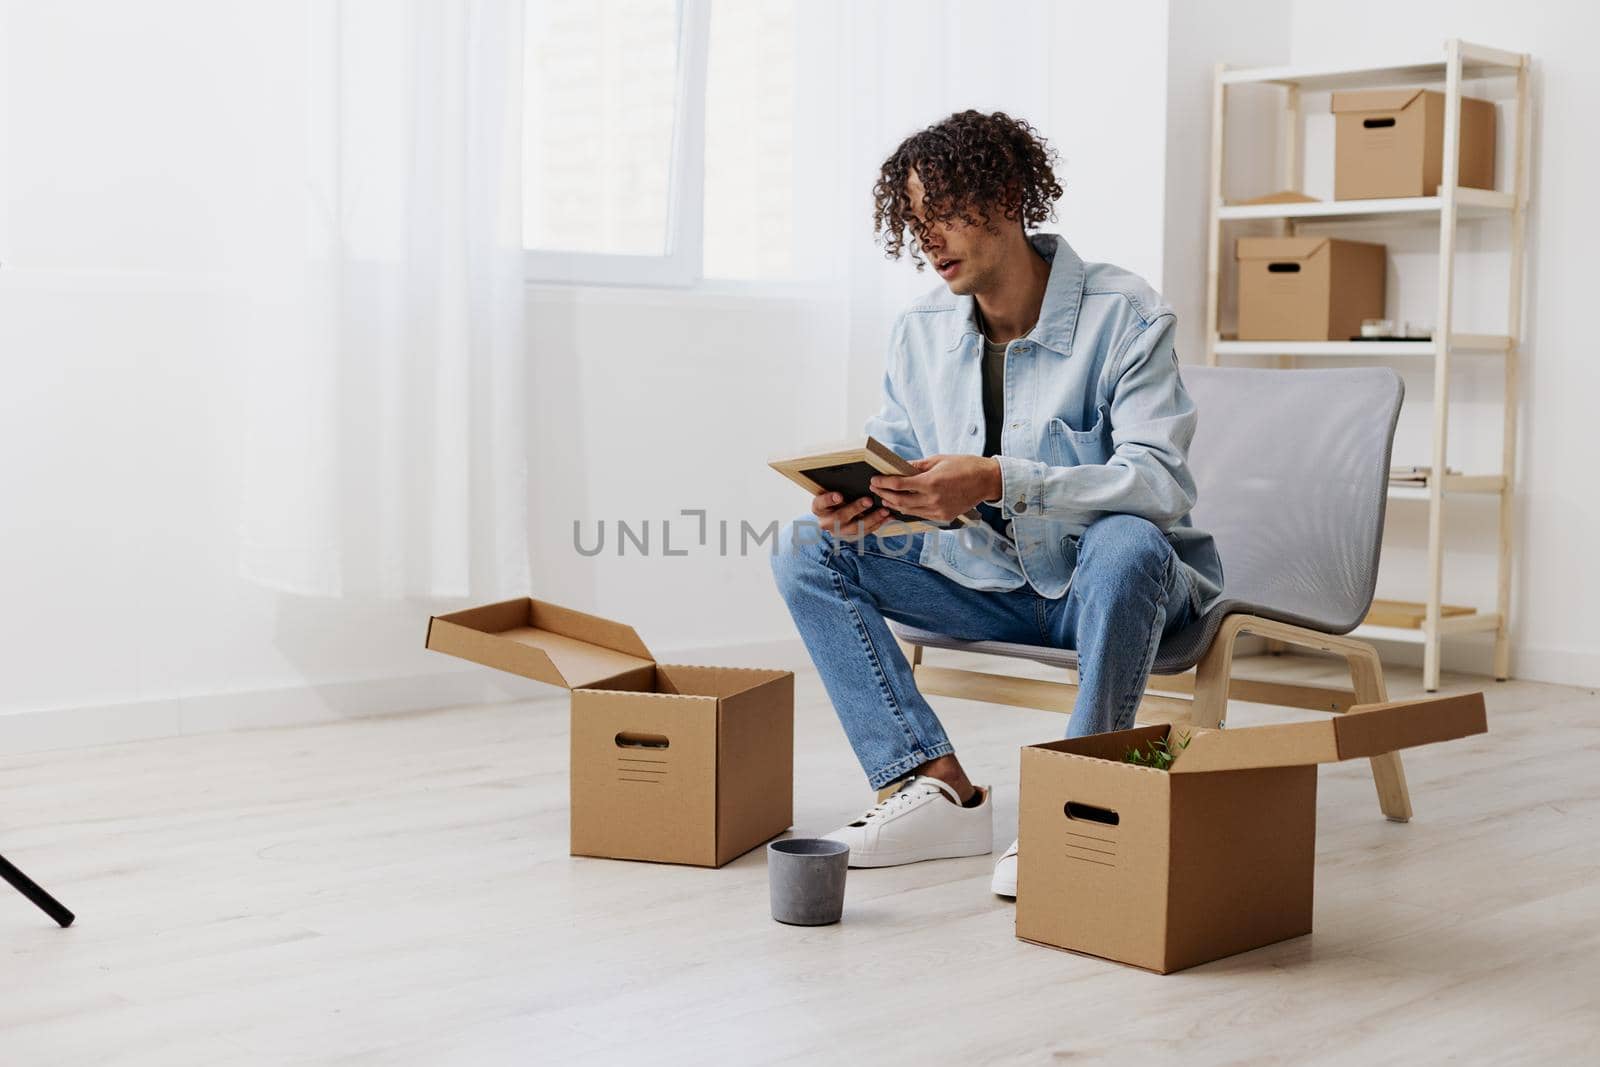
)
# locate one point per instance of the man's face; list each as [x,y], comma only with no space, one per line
[964,255]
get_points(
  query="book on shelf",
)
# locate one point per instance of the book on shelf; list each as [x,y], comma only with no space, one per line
[1414,475]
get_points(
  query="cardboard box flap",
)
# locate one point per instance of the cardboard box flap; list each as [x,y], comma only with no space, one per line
[1372,729]
[542,641]
[1374,100]
[1364,730]
[1283,248]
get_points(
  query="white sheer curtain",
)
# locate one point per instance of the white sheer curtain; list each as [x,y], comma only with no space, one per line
[385,412]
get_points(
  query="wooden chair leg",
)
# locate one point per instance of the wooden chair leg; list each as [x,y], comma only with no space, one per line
[1215,668]
[1388,773]
[913,653]
[1211,677]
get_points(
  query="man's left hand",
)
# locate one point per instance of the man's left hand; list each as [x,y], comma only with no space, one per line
[947,486]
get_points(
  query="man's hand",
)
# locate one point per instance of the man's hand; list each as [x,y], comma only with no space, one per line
[947,486]
[849,519]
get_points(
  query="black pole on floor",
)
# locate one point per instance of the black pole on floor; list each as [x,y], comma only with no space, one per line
[30,889]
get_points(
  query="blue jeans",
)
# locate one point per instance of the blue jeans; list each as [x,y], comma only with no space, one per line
[1127,592]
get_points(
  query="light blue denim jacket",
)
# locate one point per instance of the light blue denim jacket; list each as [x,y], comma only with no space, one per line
[1097,423]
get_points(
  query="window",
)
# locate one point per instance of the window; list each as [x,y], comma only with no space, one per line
[612,112]
[658,140]
[601,81]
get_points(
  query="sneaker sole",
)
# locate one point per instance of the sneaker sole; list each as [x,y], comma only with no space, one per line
[900,859]
[1004,887]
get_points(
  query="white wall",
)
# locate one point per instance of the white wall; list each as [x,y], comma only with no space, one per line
[1107,115]
[1200,34]
[120,216]
[649,403]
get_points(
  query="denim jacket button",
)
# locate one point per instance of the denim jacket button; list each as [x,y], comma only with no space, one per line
[972,428]
[1020,506]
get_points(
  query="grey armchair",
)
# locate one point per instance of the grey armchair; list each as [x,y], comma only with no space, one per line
[1292,468]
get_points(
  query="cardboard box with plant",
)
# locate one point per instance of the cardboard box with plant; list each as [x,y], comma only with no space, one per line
[1165,847]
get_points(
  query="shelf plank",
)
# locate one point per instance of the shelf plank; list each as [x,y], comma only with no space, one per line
[1480,622]
[1470,203]
[1477,61]
[1408,613]
[1474,342]
[1453,483]
[1324,348]
[1450,626]
[1480,342]
[1474,483]
[1368,632]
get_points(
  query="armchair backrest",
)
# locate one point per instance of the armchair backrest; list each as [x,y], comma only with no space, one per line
[1292,468]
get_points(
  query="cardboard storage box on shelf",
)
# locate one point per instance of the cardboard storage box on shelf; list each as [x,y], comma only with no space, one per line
[670,763]
[1390,142]
[1308,288]
[1169,869]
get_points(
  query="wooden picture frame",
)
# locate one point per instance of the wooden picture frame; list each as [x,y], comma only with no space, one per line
[847,471]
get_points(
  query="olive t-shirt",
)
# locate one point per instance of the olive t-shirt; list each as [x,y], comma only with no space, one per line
[994,395]
[994,414]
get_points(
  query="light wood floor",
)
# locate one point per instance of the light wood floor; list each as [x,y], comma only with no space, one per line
[397,891]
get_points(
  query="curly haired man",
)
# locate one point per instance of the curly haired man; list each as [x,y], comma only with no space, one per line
[1044,392]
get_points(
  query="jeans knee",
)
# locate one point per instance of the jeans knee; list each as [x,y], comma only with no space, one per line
[802,547]
[1125,546]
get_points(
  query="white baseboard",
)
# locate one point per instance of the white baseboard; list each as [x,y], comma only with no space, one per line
[1578,667]
[786,654]
[108,724]
[1475,655]
[104,724]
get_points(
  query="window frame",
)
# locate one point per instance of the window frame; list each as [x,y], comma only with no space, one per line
[681,264]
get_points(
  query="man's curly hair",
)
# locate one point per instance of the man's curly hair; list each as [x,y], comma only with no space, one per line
[970,165]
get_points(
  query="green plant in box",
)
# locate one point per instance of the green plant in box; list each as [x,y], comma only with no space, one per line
[1157,754]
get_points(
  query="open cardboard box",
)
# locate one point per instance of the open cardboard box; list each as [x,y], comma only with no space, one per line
[1169,869]
[670,763]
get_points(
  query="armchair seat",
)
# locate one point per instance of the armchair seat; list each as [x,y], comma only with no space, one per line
[1178,653]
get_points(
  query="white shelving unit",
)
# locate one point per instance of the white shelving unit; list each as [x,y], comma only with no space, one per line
[1450,206]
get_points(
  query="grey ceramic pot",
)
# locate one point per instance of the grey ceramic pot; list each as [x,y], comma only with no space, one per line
[806,880]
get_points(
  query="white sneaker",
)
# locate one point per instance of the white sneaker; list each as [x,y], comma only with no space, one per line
[923,820]
[1005,874]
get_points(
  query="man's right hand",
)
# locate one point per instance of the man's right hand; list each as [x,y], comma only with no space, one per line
[852,519]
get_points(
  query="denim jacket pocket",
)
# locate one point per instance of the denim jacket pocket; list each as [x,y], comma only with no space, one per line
[1071,448]
[1069,553]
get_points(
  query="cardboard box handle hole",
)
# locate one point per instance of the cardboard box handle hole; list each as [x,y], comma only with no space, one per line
[1377,124]
[1283,268]
[629,739]
[1089,813]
